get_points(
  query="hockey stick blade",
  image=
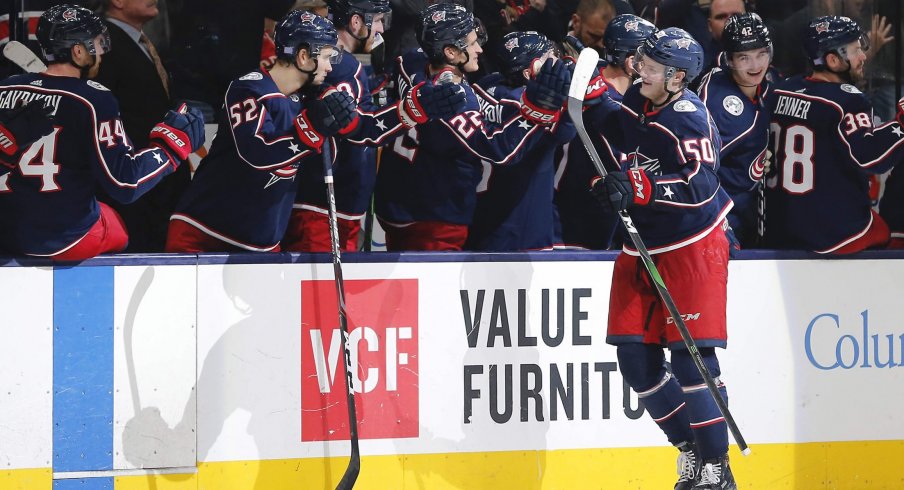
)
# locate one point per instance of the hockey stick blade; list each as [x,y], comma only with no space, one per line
[583,72]
[23,57]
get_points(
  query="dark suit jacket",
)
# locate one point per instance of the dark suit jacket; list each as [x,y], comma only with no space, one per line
[133,79]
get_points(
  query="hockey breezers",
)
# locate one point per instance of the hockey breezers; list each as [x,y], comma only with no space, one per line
[354,464]
[583,72]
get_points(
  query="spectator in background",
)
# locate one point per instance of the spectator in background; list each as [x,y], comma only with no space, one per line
[136,76]
[216,41]
[704,20]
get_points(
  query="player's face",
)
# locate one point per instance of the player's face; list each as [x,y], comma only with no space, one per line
[652,75]
[590,29]
[473,49]
[719,12]
[856,56]
[324,63]
[749,67]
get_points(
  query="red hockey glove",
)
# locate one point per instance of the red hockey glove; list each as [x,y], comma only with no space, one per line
[333,113]
[432,100]
[545,94]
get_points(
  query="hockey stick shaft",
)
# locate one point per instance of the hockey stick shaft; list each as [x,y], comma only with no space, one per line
[354,464]
[583,71]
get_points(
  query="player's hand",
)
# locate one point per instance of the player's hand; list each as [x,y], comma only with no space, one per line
[545,94]
[571,48]
[181,132]
[622,190]
[430,100]
[333,113]
[597,90]
[22,126]
[899,115]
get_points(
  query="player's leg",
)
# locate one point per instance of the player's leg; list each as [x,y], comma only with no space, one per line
[108,234]
[697,276]
[309,231]
[182,237]
[424,236]
[635,326]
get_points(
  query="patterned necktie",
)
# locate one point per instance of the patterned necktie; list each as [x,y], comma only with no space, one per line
[161,71]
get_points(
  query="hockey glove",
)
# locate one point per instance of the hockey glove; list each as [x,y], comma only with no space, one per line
[180,133]
[429,100]
[622,190]
[899,116]
[571,49]
[597,89]
[22,126]
[333,113]
[545,94]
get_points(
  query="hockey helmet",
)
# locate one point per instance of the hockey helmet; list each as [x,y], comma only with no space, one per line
[520,51]
[63,26]
[444,24]
[675,49]
[302,29]
[624,34]
[831,33]
[343,10]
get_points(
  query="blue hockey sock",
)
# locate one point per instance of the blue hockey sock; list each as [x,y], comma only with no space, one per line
[706,421]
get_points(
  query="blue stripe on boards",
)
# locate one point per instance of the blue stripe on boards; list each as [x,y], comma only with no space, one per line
[105,483]
[82,371]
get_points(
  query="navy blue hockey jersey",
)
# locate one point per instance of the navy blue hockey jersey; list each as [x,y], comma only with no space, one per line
[243,190]
[355,168]
[583,222]
[825,148]
[743,125]
[515,209]
[47,203]
[678,146]
[431,172]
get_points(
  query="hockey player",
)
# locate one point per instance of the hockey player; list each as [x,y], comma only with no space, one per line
[735,97]
[515,209]
[426,186]
[355,172]
[583,223]
[48,204]
[826,147]
[671,187]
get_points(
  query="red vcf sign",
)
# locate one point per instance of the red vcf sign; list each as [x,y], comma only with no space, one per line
[383,342]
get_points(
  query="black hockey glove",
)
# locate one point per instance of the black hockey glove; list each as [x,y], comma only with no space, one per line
[333,113]
[622,190]
[432,100]
[545,94]
[20,127]
[180,134]
[571,49]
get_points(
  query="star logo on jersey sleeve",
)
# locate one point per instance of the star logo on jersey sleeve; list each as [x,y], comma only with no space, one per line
[294,147]
[158,158]
[897,131]
[667,192]
[524,124]
[381,125]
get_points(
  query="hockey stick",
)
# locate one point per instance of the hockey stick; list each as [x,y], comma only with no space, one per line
[23,57]
[583,72]
[354,464]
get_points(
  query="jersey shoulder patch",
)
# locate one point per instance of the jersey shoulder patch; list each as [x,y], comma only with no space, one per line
[850,89]
[92,83]
[252,76]
[685,106]
[733,105]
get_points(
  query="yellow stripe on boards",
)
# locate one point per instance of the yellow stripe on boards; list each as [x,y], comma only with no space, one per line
[27,479]
[815,466]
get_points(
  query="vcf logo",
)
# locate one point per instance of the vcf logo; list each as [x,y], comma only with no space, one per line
[383,343]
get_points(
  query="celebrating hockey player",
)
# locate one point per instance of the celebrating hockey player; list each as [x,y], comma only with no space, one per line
[826,146]
[358,22]
[49,207]
[735,98]
[515,209]
[426,186]
[583,223]
[671,188]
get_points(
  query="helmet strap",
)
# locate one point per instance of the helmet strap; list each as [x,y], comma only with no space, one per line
[84,70]
[670,72]
[309,73]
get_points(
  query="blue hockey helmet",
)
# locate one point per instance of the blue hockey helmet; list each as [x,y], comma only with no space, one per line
[63,26]
[444,24]
[675,49]
[520,51]
[342,11]
[301,29]
[831,33]
[624,34]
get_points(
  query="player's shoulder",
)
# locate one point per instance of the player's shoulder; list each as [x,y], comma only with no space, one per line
[493,87]
[346,70]
[686,115]
[412,64]
[843,95]
[255,84]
